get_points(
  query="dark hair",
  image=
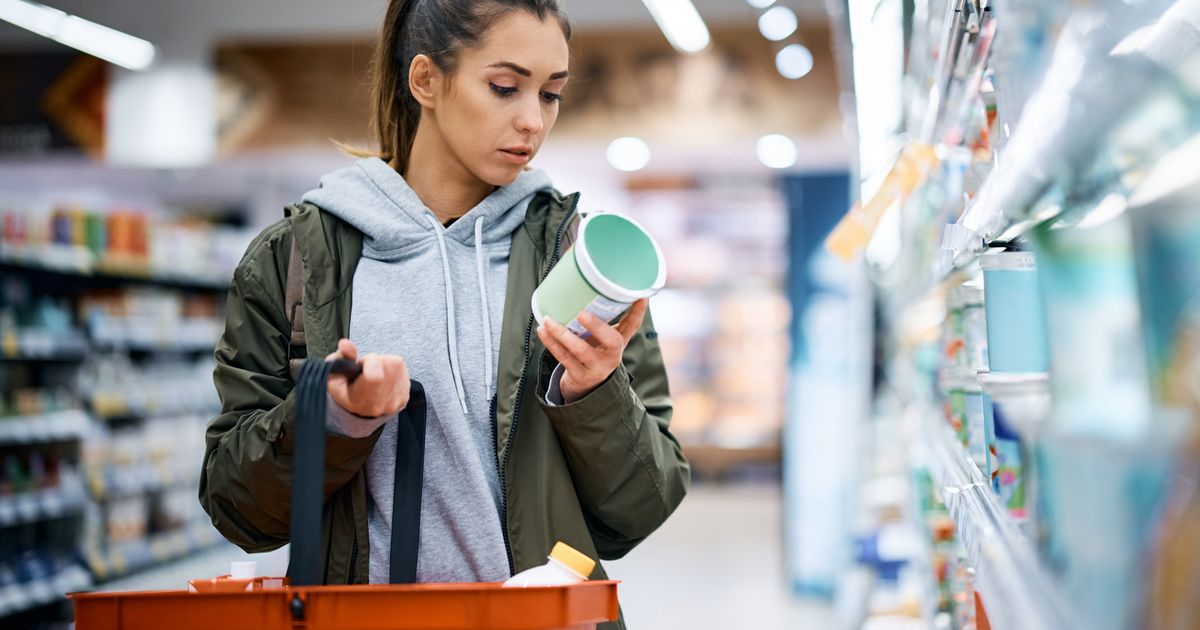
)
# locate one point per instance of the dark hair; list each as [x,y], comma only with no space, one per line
[440,29]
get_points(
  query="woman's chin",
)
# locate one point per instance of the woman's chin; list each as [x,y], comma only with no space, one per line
[501,175]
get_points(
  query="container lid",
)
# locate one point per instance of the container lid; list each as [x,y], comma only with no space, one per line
[1015,383]
[590,262]
[1002,260]
[574,560]
[247,570]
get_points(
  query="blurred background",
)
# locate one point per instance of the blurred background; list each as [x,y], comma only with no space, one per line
[930,323]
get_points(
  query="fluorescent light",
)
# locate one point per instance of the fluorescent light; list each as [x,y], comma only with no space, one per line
[628,154]
[776,151]
[681,23]
[777,23]
[108,44]
[760,4]
[38,18]
[794,61]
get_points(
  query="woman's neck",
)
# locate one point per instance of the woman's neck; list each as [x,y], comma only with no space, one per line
[439,179]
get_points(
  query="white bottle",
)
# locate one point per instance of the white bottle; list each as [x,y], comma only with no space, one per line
[565,566]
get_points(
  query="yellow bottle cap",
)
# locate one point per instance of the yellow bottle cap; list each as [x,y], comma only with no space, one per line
[572,559]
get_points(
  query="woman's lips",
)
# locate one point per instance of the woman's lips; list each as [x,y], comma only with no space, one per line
[514,156]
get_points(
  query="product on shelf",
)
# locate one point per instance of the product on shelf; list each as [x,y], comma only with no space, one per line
[1016,333]
[142,480]
[142,319]
[121,241]
[115,386]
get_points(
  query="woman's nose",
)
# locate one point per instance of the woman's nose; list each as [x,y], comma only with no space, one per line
[529,118]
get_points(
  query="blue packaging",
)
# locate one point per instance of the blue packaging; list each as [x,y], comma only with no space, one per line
[1016,332]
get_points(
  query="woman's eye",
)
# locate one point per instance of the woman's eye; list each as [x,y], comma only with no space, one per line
[503,91]
[551,97]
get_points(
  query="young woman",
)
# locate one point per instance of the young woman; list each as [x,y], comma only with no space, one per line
[419,262]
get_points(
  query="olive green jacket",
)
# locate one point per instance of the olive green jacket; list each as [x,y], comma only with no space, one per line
[600,474]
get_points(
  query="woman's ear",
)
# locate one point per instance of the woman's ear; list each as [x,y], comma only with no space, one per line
[423,80]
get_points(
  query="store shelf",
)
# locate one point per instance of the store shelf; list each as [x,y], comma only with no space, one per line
[23,596]
[114,484]
[26,345]
[1016,590]
[70,266]
[126,559]
[41,505]
[43,428]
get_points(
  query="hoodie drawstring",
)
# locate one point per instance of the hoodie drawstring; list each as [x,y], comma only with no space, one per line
[450,320]
[481,269]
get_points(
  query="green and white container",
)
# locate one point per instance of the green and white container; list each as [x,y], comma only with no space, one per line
[613,263]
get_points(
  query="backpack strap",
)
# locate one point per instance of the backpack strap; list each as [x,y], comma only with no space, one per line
[294,307]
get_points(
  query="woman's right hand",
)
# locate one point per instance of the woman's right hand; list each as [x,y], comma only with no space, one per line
[382,388]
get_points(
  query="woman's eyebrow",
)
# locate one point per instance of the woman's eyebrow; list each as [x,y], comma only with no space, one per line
[525,72]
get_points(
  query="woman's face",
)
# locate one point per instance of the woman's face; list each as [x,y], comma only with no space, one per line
[498,106]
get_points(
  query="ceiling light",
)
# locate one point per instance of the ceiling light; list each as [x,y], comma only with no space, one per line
[794,61]
[681,23]
[778,23]
[776,151]
[94,39]
[628,154]
[760,4]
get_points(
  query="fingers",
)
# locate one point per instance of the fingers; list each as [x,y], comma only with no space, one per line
[556,348]
[581,350]
[345,350]
[382,388]
[607,338]
[632,322]
[372,369]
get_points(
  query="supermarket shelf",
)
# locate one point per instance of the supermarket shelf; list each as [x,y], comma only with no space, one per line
[148,346]
[43,428]
[72,267]
[131,483]
[26,346]
[1015,588]
[41,505]
[126,559]
[128,414]
[20,597]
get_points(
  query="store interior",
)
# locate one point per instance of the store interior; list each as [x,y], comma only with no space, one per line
[930,320]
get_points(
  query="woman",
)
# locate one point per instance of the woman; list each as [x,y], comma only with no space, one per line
[420,262]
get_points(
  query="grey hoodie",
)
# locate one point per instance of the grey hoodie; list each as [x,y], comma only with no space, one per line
[433,296]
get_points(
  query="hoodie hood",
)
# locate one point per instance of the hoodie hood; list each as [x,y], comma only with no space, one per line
[377,201]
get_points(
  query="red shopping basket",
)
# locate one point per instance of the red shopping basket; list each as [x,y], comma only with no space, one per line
[304,605]
[376,607]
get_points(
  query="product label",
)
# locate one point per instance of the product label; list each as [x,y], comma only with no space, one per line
[976,439]
[975,337]
[1009,481]
[603,308]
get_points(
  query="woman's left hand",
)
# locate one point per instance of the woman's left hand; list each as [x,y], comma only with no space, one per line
[589,362]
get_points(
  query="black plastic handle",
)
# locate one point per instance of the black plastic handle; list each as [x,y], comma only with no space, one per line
[345,367]
[307,566]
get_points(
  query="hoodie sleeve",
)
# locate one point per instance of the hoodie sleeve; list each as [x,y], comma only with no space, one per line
[245,483]
[629,471]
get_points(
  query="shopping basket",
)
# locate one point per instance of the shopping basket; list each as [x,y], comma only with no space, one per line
[305,605]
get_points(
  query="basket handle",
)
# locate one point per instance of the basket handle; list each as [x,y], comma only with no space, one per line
[306,566]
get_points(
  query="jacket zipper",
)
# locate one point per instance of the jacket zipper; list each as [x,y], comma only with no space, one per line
[520,389]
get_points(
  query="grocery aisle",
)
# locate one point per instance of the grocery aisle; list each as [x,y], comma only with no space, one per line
[717,563]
